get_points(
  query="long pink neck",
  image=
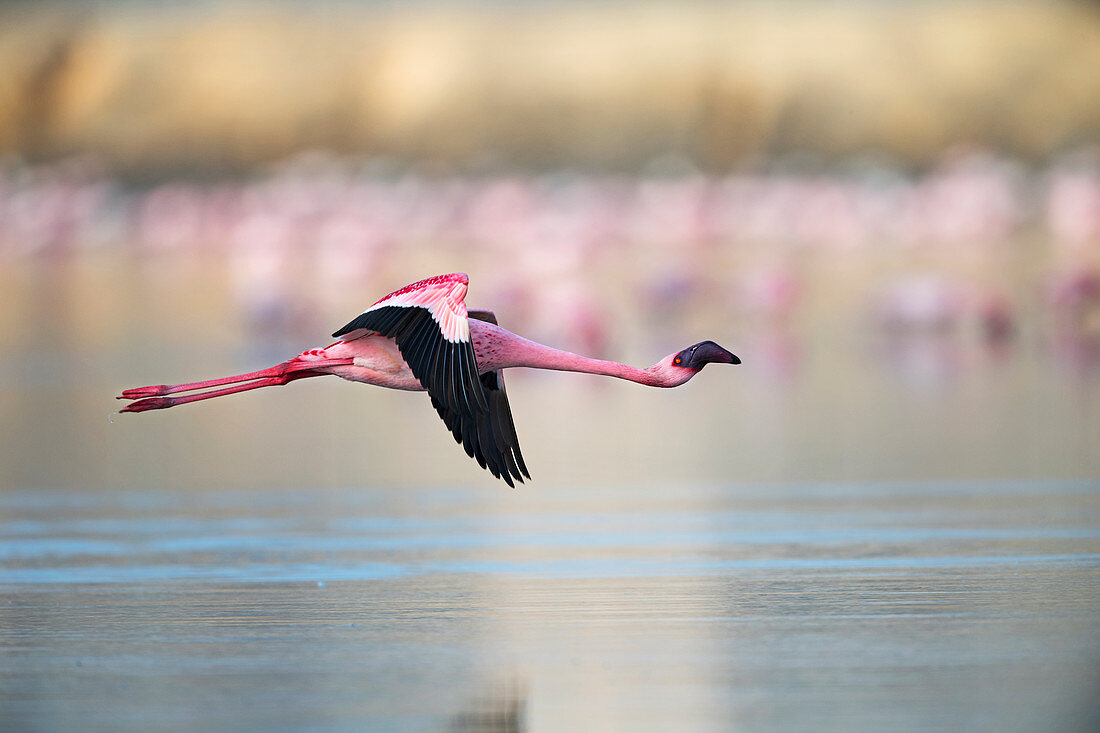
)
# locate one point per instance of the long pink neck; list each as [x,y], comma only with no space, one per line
[521,352]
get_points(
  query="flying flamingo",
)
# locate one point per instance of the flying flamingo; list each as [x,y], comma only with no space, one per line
[422,337]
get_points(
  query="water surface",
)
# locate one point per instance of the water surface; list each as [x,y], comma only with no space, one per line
[842,606]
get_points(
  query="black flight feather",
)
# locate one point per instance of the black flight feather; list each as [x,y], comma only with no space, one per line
[473,406]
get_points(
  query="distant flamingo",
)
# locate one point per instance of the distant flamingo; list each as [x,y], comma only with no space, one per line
[421,337]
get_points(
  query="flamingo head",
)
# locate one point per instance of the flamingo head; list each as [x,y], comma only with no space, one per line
[698,356]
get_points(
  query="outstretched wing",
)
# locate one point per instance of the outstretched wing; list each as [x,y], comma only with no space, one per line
[500,412]
[429,322]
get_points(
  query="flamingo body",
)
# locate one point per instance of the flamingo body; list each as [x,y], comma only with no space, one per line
[423,338]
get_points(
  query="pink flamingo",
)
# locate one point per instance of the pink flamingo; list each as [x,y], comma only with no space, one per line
[422,337]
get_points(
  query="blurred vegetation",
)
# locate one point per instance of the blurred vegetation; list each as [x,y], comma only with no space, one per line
[213,87]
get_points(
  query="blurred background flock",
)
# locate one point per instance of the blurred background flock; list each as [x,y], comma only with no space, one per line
[889,210]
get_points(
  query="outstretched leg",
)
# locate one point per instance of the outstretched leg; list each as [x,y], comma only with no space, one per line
[160,403]
[155,397]
[287,367]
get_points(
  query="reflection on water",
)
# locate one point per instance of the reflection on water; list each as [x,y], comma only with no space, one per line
[902,605]
[501,710]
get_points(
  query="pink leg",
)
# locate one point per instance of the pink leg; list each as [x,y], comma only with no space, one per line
[279,370]
[160,403]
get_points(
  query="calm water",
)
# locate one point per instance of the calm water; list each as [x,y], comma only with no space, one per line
[870,606]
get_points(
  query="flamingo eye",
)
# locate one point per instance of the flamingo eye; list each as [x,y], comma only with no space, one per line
[677,361]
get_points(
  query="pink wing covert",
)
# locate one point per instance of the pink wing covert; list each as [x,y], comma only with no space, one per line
[444,296]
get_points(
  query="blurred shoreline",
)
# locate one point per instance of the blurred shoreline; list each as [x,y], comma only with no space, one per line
[155,91]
